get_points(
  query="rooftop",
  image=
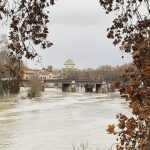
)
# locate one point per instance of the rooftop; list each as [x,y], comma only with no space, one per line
[69,62]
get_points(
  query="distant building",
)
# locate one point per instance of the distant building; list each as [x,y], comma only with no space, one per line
[50,68]
[28,73]
[50,74]
[57,74]
[69,65]
[44,74]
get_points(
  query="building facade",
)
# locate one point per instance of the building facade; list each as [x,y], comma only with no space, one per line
[69,65]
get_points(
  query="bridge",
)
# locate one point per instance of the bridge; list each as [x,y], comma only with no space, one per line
[76,81]
[69,85]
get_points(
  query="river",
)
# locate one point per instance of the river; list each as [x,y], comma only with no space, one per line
[58,120]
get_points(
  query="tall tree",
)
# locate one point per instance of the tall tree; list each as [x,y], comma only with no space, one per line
[131,31]
[11,69]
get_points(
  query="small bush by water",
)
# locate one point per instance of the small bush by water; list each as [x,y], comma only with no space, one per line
[36,87]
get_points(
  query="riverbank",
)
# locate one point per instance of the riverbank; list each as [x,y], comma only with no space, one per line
[14,98]
[9,100]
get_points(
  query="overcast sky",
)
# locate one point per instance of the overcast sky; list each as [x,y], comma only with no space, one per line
[78,31]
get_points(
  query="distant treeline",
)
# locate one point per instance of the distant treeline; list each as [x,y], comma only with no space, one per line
[105,72]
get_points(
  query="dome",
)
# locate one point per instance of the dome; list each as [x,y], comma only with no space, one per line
[69,62]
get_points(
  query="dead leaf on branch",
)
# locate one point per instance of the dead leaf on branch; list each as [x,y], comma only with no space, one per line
[129,89]
[147,71]
[116,84]
[111,129]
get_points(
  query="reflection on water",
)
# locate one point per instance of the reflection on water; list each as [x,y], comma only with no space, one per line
[57,120]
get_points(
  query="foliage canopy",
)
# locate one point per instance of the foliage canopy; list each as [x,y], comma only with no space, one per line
[131,31]
[28,25]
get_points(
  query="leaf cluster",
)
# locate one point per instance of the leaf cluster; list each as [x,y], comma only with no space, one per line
[131,31]
[28,25]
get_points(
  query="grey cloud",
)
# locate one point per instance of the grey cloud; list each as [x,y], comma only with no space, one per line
[87,46]
[81,19]
[78,31]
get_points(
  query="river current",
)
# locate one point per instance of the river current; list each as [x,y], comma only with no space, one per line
[58,120]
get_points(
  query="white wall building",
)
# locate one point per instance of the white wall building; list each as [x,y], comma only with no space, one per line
[69,65]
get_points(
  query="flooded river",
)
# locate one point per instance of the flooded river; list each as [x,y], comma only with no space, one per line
[57,120]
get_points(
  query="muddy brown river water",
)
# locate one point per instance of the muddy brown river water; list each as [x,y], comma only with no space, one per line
[57,120]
